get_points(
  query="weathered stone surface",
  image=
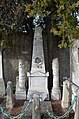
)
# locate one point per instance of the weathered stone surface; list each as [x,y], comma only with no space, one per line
[23,47]
[20,81]
[74,54]
[36,107]
[22,75]
[65,95]
[77,109]
[9,98]
[2,85]
[38,78]
[56,93]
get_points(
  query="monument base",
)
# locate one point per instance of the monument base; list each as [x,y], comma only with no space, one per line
[56,94]
[2,87]
[64,104]
[43,94]
[20,94]
[9,104]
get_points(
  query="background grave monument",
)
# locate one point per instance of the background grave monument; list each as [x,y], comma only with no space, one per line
[65,96]
[20,81]
[38,78]
[56,93]
[74,67]
[2,85]
[9,97]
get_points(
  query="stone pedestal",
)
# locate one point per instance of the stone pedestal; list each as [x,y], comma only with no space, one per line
[38,84]
[37,77]
[56,93]
[77,109]
[9,98]
[36,107]
[65,95]
[2,85]
[20,82]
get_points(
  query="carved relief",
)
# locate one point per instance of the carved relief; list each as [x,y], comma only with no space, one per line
[39,62]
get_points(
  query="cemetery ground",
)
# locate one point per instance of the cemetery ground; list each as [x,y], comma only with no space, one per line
[19,104]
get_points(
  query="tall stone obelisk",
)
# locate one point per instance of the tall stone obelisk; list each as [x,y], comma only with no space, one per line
[2,85]
[38,63]
[38,78]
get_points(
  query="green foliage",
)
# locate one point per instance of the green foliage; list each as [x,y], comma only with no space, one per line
[38,7]
[63,13]
[11,18]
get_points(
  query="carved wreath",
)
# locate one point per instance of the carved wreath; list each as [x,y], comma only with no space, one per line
[39,62]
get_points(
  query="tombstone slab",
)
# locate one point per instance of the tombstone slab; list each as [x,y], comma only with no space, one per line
[74,70]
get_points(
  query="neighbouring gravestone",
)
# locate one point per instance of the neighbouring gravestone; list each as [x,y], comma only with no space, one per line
[36,107]
[77,109]
[74,62]
[65,95]
[37,77]
[75,92]
[56,93]
[9,97]
[74,70]
[20,81]
[2,85]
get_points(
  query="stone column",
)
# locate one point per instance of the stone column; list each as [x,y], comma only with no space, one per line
[2,85]
[22,76]
[65,95]
[77,109]
[36,107]
[20,81]
[75,92]
[9,98]
[56,94]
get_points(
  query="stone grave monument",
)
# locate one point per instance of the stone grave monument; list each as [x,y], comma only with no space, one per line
[37,77]
[36,107]
[20,81]
[65,95]
[74,69]
[9,97]
[2,85]
[56,93]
